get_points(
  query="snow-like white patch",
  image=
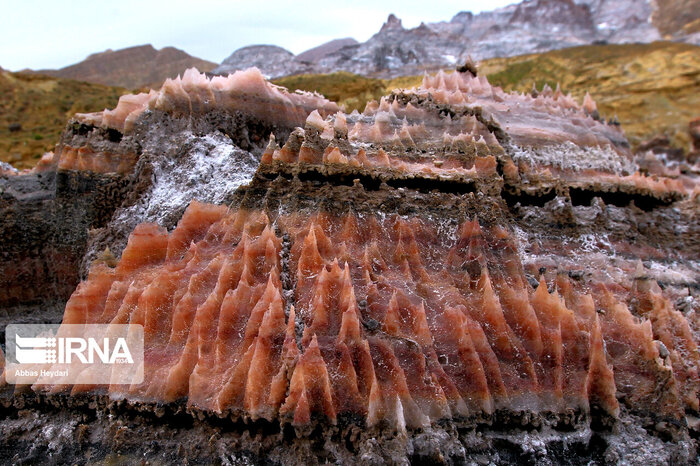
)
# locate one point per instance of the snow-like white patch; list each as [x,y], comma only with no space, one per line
[569,156]
[4,166]
[184,167]
[210,171]
[674,272]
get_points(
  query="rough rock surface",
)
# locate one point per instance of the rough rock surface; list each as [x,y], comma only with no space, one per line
[50,215]
[458,274]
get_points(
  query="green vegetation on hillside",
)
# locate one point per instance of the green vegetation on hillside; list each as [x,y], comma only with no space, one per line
[652,88]
[347,89]
[34,110]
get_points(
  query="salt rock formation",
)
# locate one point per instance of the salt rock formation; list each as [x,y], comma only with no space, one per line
[454,257]
[455,127]
[388,321]
[194,93]
[209,127]
[393,141]
[244,92]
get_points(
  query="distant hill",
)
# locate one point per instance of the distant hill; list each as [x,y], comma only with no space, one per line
[272,61]
[133,67]
[322,50]
[34,110]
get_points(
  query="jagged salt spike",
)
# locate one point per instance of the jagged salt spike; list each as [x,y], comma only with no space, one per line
[440,78]
[371,108]
[405,135]
[427,81]
[335,156]
[314,120]
[384,105]
[340,124]
[589,105]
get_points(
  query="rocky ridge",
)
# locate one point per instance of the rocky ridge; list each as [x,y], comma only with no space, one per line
[532,26]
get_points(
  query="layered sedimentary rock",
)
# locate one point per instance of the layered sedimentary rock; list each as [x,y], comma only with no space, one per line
[455,260]
[391,141]
[454,128]
[245,93]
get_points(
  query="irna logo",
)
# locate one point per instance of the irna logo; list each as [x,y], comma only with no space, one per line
[46,354]
[51,350]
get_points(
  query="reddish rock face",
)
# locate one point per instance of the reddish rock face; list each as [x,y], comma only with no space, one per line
[381,317]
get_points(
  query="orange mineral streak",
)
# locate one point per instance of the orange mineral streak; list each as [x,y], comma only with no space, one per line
[386,320]
[639,371]
[86,159]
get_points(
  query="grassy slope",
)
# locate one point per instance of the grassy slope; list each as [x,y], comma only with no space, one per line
[42,105]
[653,88]
[351,90]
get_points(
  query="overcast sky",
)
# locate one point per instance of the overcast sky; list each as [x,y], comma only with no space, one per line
[54,33]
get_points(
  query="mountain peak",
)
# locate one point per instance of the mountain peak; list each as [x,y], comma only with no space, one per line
[392,22]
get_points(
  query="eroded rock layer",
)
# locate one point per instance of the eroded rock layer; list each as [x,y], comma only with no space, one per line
[382,317]
[453,256]
[243,93]
[457,127]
